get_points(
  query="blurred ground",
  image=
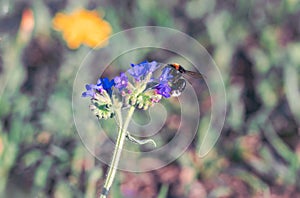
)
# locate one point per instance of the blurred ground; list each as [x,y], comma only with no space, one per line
[256,45]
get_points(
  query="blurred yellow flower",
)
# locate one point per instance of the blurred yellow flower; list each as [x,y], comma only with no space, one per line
[82,27]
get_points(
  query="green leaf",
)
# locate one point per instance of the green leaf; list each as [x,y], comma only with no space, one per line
[163,191]
[41,175]
[63,190]
[32,157]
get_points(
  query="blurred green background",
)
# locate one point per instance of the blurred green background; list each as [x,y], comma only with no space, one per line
[256,45]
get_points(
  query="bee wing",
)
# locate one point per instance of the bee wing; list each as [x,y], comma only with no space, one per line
[195,75]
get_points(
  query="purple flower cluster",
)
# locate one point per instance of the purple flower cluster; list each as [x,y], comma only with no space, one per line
[138,72]
[119,82]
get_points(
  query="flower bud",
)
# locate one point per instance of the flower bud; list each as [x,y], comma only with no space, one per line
[140,105]
[145,107]
[132,101]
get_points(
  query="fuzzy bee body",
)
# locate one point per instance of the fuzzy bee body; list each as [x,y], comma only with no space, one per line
[185,72]
[179,83]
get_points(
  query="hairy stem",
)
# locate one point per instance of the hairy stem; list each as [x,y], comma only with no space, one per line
[117,154]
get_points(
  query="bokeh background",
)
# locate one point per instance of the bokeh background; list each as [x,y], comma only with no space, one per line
[256,45]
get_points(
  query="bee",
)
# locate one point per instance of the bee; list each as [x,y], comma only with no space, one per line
[185,72]
[179,77]
[180,74]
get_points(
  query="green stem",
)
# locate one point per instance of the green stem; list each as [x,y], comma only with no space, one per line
[117,154]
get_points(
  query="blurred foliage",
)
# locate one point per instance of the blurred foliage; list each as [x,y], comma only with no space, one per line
[256,46]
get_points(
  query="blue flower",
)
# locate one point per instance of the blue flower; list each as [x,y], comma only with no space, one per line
[139,71]
[102,84]
[165,75]
[90,91]
[164,89]
[106,84]
[121,81]
[151,66]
